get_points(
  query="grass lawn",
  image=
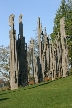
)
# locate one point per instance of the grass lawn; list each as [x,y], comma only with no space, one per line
[55,94]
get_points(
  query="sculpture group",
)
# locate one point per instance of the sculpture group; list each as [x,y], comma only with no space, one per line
[18,56]
[52,59]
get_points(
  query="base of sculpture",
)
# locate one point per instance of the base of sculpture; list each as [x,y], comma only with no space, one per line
[13,85]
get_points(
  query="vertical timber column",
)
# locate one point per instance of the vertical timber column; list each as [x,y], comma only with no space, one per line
[47,54]
[51,58]
[20,26]
[13,55]
[36,75]
[63,38]
[23,54]
[26,65]
[39,34]
[33,58]
[48,58]
[58,55]
[41,54]
[45,51]
[54,63]
[39,48]
[39,38]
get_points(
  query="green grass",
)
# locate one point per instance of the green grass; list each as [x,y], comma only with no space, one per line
[55,94]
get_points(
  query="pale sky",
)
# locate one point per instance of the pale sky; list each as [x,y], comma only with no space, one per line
[31,10]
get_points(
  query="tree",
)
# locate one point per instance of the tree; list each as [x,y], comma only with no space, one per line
[69,28]
[65,10]
[5,60]
[61,12]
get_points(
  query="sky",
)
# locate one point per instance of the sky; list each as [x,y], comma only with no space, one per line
[31,10]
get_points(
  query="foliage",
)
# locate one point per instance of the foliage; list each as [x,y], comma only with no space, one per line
[65,10]
[61,12]
[4,60]
[56,94]
[69,28]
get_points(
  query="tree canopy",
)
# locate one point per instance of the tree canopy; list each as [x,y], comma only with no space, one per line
[65,10]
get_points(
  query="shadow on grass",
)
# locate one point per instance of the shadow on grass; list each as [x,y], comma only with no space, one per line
[44,83]
[39,84]
[14,91]
[5,93]
[2,99]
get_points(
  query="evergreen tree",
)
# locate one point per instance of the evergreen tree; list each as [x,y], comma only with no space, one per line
[61,12]
[69,28]
[65,10]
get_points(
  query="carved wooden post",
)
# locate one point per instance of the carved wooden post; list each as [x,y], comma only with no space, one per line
[51,58]
[42,54]
[59,55]
[63,42]
[22,55]
[39,58]
[13,55]
[20,25]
